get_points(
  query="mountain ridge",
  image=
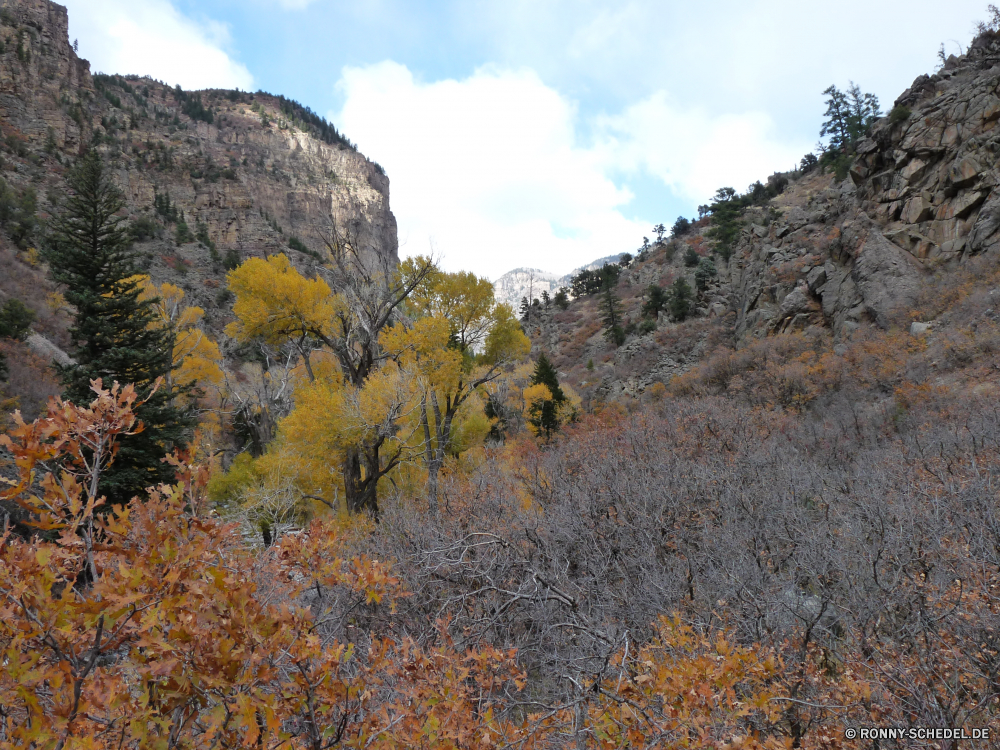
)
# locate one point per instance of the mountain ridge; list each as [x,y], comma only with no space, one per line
[210,177]
[521,282]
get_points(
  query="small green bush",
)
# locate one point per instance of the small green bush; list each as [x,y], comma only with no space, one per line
[15,320]
[656,300]
[899,114]
[232,259]
[705,272]
[562,298]
[183,235]
[144,228]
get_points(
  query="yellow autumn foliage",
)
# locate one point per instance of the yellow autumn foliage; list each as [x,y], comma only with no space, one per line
[275,302]
[196,357]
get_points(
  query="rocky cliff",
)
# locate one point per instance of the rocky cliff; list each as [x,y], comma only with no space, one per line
[918,209]
[212,177]
[921,198]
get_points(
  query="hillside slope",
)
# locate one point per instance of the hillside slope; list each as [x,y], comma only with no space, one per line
[909,233]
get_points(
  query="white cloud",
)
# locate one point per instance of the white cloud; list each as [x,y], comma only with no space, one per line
[491,170]
[770,55]
[693,153]
[152,38]
[486,169]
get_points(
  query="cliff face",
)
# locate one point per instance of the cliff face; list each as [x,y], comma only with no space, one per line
[921,198]
[40,75]
[827,256]
[245,173]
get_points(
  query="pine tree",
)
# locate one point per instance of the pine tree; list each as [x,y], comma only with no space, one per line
[544,416]
[837,124]
[680,299]
[656,300]
[525,310]
[115,333]
[705,272]
[611,309]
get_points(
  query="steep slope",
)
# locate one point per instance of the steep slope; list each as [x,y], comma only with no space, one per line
[913,230]
[921,199]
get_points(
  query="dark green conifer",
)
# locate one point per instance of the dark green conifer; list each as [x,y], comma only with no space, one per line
[612,316]
[114,334]
[680,299]
[544,415]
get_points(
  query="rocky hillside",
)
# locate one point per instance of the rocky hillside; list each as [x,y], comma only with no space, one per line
[211,177]
[919,211]
[921,199]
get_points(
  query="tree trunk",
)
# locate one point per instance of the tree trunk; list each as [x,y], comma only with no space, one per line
[353,489]
[429,454]
[361,472]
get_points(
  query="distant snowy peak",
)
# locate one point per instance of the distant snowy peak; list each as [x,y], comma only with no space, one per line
[525,282]
[529,283]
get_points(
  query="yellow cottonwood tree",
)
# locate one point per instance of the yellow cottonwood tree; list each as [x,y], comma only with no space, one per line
[358,404]
[462,340]
[197,359]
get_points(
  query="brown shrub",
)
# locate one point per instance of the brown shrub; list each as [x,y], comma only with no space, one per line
[30,383]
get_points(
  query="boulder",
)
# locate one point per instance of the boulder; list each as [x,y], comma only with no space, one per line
[916,210]
[816,278]
[986,226]
[45,349]
[887,278]
[964,172]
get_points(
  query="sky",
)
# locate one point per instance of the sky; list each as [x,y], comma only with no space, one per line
[546,133]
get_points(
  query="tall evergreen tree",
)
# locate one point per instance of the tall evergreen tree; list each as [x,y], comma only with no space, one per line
[837,122]
[544,415]
[612,316]
[115,333]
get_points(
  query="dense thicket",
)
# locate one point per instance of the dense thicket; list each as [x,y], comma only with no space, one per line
[843,540]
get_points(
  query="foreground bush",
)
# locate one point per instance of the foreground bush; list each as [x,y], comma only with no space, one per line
[152,626]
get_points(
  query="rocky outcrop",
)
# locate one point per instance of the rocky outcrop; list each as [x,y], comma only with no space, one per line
[48,351]
[921,196]
[525,283]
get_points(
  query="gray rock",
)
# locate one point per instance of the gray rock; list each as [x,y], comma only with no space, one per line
[986,226]
[795,302]
[887,278]
[816,278]
[45,349]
